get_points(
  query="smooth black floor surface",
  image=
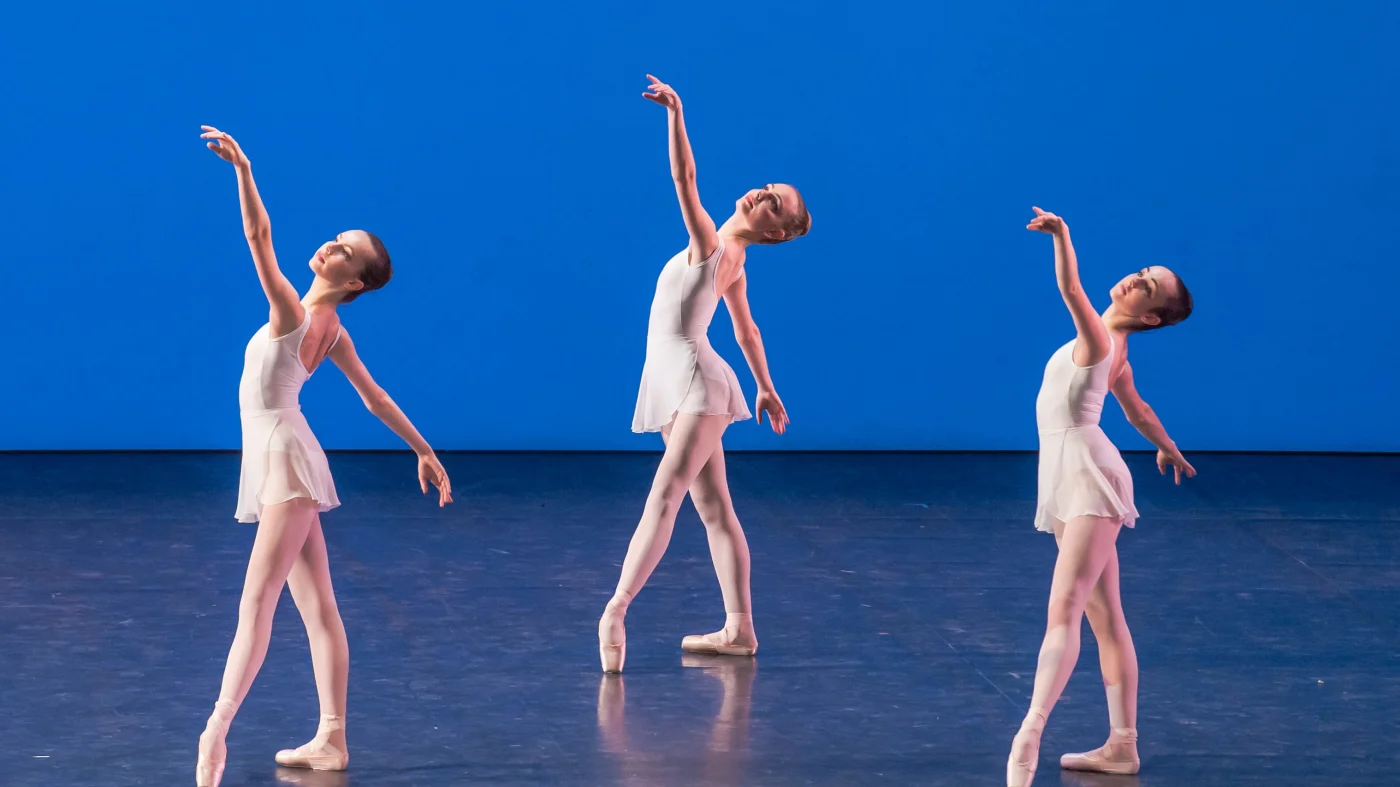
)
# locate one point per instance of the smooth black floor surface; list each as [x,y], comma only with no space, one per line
[899,602]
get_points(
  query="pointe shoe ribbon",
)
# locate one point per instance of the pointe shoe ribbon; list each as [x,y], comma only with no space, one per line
[1122,745]
[735,639]
[318,754]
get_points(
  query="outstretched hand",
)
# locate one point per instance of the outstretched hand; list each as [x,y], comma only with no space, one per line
[430,471]
[224,146]
[1178,463]
[768,402]
[1047,222]
[662,94]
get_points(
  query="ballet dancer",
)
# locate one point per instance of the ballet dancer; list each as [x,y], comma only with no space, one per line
[690,395]
[1086,496]
[286,484]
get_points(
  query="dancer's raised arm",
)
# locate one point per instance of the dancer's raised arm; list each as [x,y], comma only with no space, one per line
[286,310]
[1093,342]
[704,238]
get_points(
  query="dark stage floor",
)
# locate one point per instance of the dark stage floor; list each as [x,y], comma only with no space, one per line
[899,598]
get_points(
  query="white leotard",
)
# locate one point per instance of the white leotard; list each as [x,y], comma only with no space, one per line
[683,373]
[281,458]
[1081,471]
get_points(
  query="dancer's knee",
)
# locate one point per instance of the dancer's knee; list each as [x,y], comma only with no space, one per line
[722,521]
[1098,612]
[320,615]
[1115,630]
[257,604]
[1107,619]
[714,511]
[666,496]
[1067,605]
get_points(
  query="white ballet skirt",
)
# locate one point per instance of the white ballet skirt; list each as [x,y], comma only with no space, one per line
[1081,471]
[281,458]
[683,373]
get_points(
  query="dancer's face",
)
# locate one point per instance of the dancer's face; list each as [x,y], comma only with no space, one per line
[1141,294]
[340,261]
[769,209]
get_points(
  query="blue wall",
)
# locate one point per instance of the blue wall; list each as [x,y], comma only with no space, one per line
[507,159]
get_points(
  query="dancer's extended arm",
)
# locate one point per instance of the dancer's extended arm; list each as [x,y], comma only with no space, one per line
[1141,415]
[286,310]
[377,401]
[704,238]
[1093,342]
[751,342]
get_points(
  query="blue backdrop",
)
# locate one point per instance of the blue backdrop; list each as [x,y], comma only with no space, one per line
[506,157]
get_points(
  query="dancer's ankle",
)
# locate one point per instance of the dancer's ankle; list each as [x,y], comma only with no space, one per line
[332,729]
[618,604]
[224,711]
[1035,720]
[738,620]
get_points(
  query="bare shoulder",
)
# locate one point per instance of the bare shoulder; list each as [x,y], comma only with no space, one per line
[341,347]
[324,322]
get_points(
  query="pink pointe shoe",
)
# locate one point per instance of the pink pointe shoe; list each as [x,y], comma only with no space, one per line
[737,638]
[318,754]
[1025,751]
[213,751]
[1118,757]
[612,636]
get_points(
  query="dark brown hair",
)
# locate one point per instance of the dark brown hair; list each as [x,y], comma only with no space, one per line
[1176,309]
[800,225]
[377,270]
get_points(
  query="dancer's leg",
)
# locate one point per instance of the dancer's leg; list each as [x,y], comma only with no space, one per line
[1118,663]
[1085,547]
[281,534]
[690,442]
[728,548]
[310,583]
[730,552]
